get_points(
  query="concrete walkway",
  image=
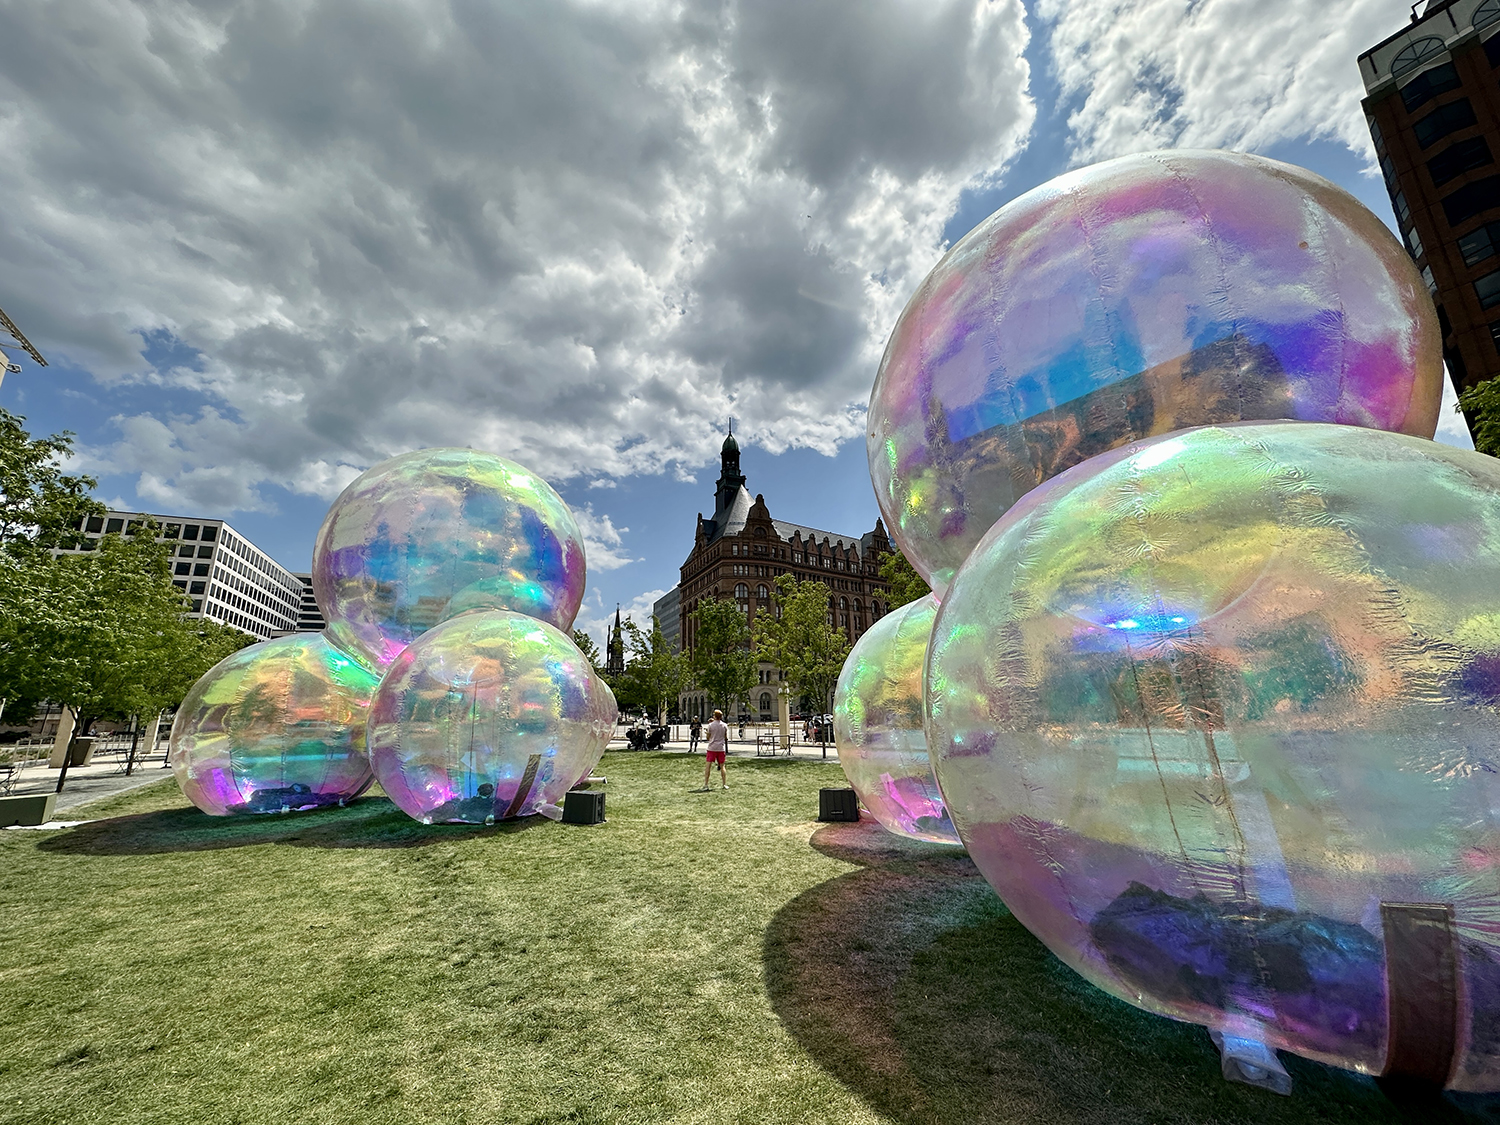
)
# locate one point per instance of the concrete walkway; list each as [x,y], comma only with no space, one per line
[105,777]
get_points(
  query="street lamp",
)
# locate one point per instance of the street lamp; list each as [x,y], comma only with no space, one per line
[21,343]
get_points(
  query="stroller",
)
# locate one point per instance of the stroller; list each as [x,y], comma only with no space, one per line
[645,735]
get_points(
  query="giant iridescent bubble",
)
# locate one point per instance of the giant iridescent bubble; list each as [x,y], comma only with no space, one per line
[275,727]
[1212,713]
[427,535]
[488,716]
[877,723]
[1139,296]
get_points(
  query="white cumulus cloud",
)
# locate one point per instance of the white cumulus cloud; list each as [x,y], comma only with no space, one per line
[576,233]
[1241,74]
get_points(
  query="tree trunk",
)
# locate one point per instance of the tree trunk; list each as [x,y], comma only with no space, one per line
[135,738]
[82,724]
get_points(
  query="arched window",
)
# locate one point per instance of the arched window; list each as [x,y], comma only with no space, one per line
[762,592]
[1414,54]
[741,590]
[765,701]
[859,606]
[843,603]
[1486,14]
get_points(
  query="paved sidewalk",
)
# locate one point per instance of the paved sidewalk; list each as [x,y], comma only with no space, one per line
[105,777]
[805,752]
[102,778]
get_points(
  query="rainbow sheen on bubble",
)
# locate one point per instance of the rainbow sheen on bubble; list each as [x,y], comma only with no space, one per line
[275,727]
[1203,710]
[877,724]
[488,716]
[434,533]
[1139,296]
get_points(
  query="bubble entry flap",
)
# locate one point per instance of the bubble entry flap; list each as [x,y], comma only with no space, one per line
[1208,717]
[275,727]
[489,716]
[877,724]
[434,533]
[1140,296]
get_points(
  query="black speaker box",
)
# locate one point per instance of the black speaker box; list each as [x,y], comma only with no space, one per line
[583,806]
[838,804]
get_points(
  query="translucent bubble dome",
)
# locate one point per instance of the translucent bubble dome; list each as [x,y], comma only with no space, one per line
[427,535]
[1136,297]
[877,724]
[275,727]
[1210,717]
[490,715]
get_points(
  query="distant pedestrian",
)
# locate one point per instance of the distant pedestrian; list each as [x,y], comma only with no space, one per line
[695,735]
[718,750]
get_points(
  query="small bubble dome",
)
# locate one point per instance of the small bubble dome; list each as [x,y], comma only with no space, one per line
[1143,295]
[275,727]
[877,724]
[491,715]
[434,533]
[1220,721]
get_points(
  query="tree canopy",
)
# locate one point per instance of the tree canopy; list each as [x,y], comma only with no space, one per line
[104,633]
[1482,403]
[655,675]
[723,663]
[905,584]
[801,639]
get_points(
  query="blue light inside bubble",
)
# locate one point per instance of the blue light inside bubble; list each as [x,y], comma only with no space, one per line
[1161,623]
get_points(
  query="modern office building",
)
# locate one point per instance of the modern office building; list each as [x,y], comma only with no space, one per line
[309,617]
[667,610]
[1433,107]
[740,550]
[225,576]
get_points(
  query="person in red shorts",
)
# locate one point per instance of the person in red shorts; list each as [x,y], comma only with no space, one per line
[718,749]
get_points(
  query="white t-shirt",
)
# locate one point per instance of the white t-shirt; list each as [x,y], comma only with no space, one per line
[718,735]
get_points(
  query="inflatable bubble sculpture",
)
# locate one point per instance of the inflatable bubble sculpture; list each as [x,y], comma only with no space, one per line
[276,727]
[431,534]
[877,723]
[1219,717]
[488,716]
[1136,297]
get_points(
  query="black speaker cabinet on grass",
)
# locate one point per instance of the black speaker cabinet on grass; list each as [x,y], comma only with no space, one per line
[582,806]
[838,804]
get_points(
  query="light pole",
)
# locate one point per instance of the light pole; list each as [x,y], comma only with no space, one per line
[21,343]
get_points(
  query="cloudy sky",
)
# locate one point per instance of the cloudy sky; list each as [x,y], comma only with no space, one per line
[267,243]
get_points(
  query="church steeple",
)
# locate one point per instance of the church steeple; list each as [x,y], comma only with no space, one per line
[614,654]
[730,478]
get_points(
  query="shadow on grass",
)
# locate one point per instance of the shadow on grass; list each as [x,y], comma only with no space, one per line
[372,822]
[911,984]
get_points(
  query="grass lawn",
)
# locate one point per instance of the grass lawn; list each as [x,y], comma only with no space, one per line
[701,957]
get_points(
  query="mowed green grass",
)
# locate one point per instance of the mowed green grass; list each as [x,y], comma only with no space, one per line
[708,957]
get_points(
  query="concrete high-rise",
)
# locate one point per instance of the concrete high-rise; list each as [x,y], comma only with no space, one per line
[225,576]
[1433,107]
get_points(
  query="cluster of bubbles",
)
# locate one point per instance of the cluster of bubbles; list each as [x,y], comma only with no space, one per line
[449,579]
[1212,695]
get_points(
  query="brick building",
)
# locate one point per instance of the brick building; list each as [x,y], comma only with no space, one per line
[740,550]
[1433,107]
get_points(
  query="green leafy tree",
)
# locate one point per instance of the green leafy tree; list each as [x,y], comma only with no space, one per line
[105,633]
[904,583]
[1482,403]
[723,663]
[801,640]
[589,649]
[654,674]
[41,506]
